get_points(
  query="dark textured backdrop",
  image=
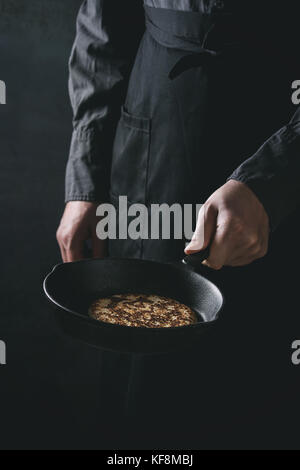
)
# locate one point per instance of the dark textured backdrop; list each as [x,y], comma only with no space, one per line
[50,388]
[46,378]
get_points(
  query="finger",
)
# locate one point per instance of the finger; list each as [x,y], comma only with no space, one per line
[205,229]
[63,254]
[98,247]
[242,252]
[75,253]
[243,261]
[62,250]
[242,258]
[221,247]
[245,252]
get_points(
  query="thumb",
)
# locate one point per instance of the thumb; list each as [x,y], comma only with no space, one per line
[205,229]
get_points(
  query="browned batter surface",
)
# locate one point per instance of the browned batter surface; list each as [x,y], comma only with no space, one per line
[142,310]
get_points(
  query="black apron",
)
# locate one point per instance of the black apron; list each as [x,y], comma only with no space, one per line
[184,127]
[160,145]
[190,116]
[163,153]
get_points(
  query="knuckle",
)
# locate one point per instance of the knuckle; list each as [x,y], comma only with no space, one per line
[217,267]
[214,265]
[58,235]
[66,240]
[252,241]
[254,248]
[207,209]
[237,227]
[258,251]
[207,206]
[263,251]
[248,237]
[243,234]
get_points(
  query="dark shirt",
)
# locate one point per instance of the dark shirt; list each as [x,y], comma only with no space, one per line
[107,39]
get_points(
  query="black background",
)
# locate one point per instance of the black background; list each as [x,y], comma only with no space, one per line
[51,390]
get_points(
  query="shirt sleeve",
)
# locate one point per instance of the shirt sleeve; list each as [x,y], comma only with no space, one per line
[107,38]
[273,172]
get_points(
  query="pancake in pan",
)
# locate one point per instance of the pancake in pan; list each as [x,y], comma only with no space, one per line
[142,310]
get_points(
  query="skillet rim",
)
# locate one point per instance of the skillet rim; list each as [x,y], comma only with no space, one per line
[107,325]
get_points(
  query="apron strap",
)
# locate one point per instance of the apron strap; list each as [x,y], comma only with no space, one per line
[193,60]
[186,31]
[182,30]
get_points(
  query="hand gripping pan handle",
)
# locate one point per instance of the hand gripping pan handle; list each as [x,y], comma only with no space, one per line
[195,260]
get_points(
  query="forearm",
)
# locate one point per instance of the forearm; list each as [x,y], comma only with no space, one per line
[273,172]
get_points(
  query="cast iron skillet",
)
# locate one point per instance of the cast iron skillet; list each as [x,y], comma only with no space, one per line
[72,287]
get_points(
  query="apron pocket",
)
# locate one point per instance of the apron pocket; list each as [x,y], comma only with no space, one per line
[130,157]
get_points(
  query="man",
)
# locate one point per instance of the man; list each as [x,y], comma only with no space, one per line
[197,100]
[169,98]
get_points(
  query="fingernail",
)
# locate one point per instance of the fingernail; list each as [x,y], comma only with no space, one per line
[193,246]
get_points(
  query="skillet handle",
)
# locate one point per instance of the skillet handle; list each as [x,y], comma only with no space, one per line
[195,259]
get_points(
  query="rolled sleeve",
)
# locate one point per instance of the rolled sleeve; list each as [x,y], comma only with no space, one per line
[273,172]
[107,38]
